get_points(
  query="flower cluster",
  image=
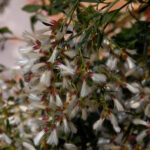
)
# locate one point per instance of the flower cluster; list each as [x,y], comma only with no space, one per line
[66,78]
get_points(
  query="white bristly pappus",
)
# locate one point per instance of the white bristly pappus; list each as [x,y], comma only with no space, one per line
[25,50]
[85,89]
[130,62]
[35,67]
[53,139]
[75,110]
[45,78]
[97,125]
[141,122]
[33,96]
[22,61]
[67,69]
[28,146]
[65,124]
[5,138]
[112,63]
[147,110]
[70,53]
[117,104]
[97,77]
[58,99]
[114,122]
[53,56]
[29,36]
[51,99]
[135,104]
[38,137]
[45,19]
[131,88]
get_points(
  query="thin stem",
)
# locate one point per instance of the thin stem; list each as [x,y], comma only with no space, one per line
[117,10]
[11,38]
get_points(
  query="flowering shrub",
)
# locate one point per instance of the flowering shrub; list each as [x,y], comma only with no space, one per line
[79,90]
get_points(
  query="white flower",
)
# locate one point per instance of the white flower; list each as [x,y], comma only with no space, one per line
[141,136]
[69,146]
[97,125]
[74,111]
[67,97]
[51,99]
[70,53]
[29,36]
[22,61]
[53,56]
[45,19]
[84,113]
[35,67]
[25,50]
[118,105]
[132,88]
[141,122]
[147,110]
[130,62]
[5,138]
[53,139]
[98,77]
[13,120]
[114,122]
[58,100]
[66,82]
[67,69]
[38,137]
[135,104]
[28,146]
[112,63]
[33,96]
[65,124]
[85,89]
[45,78]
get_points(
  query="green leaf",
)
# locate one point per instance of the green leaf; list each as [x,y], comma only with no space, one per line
[31,8]
[100,38]
[4,30]
[21,83]
[33,20]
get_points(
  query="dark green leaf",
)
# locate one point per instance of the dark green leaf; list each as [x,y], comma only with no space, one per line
[100,38]
[33,20]
[8,126]
[10,98]
[21,83]
[5,30]
[85,38]
[31,8]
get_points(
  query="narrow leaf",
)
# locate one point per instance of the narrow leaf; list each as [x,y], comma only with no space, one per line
[31,8]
